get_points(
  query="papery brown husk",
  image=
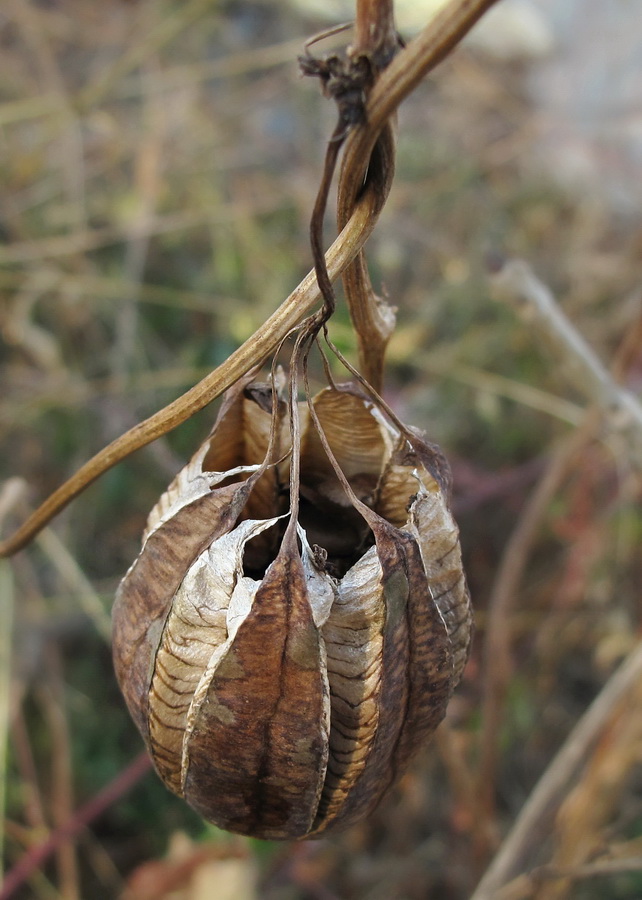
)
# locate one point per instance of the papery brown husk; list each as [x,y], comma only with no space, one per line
[282,685]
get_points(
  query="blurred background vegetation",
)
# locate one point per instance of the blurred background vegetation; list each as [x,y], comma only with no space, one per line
[159,162]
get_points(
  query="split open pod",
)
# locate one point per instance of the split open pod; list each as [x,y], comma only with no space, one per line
[282,673]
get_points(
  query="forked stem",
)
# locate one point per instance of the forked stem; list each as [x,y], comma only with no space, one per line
[373,319]
[361,203]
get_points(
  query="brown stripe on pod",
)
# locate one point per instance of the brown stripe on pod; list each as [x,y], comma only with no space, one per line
[379,770]
[431,680]
[241,437]
[438,537]
[196,629]
[415,498]
[354,637]
[258,750]
[416,673]
[145,594]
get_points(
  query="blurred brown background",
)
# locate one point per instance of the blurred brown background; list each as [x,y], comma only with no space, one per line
[159,163]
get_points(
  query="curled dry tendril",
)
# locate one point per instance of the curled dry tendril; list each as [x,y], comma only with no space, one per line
[365,108]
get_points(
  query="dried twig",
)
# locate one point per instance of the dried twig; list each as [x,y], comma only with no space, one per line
[587,810]
[50,694]
[37,855]
[516,283]
[373,320]
[76,580]
[374,31]
[349,81]
[250,354]
[395,83]
[35,819]
[167,29]
[537,814]
[602,867]
[498,664]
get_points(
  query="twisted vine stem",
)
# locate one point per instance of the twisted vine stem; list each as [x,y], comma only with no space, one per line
[362,194]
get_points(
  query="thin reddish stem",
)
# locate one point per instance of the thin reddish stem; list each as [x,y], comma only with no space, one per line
[36,856]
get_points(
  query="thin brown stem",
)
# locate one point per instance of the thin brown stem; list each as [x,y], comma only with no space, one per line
[374,31]
[497,645]
[402,76]
[498,663]
[82,817]
[516,282]
[298,354]
[251,353]
[373,320]
[316,221]
[51,697]
[517,285]
[361,195]
[535,818]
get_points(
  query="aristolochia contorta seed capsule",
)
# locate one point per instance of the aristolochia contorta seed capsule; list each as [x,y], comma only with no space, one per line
[282,678]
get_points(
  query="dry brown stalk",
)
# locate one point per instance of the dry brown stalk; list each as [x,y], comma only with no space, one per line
[500,879]
[498,662]
[363,197]
[374,31]
[588,808]
[373,319]
[74,825]
[51,700]
[34,803]
[516,283]
[537,814]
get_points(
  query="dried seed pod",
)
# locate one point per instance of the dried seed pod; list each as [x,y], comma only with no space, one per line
[283,672]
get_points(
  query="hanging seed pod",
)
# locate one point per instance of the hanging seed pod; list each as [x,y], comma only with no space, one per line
[282,672]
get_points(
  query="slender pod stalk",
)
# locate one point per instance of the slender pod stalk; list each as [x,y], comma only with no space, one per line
[361,195]
[298,617]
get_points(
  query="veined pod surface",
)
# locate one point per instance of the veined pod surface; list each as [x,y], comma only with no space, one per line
[283,673]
